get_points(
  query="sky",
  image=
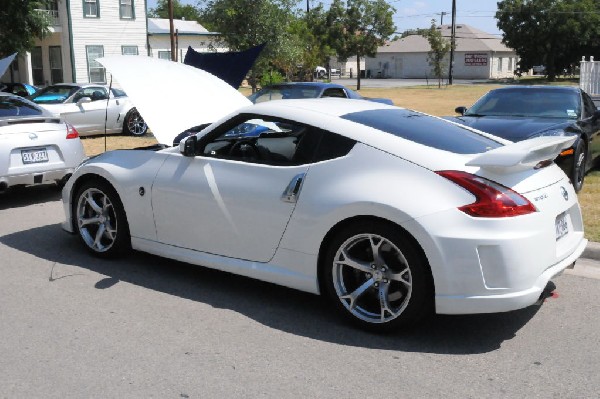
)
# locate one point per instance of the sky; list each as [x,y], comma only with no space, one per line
[411,14]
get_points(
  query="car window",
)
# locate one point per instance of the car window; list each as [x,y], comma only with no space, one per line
[590,107]
[424,129]
[528,102]
[118,93]
[15,106]
[95,93]
[54,94]
[284,93]
[334,92]
[260,140]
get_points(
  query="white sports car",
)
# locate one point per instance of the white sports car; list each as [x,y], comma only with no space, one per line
[390,213]
[92,108]
[35,146]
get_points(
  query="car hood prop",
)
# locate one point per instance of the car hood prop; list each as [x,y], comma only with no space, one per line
[173,97]
[523,155]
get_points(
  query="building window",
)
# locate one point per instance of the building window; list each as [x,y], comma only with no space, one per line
[129,50]
[37,66]
[96,71]
[56,71]
[499,64]
[126,9]
[91,8]
[164,55]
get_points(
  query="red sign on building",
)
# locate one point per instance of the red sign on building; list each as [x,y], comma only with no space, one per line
[476,59]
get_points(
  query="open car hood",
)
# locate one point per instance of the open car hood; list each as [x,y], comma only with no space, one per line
[173,97]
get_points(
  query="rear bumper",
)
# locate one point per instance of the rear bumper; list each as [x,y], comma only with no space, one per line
[503,302]
[42,177]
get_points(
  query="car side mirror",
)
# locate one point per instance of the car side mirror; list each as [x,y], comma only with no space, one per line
[187,146]
[460,110]
[84,100]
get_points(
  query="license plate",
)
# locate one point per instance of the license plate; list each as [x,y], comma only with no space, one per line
[562,227]
[34,156]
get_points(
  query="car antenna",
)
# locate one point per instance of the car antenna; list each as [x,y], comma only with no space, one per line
[106,110]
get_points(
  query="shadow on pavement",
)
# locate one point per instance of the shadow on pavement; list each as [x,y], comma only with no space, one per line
[278,307]
[18,196]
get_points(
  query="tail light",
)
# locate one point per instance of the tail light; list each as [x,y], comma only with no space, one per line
[72,133]
[493,200]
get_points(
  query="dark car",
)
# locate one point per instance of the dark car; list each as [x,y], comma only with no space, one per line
[20,89]
[284,91]
[521,112]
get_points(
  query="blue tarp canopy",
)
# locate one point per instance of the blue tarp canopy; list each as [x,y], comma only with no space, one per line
[5,63]
[232,66]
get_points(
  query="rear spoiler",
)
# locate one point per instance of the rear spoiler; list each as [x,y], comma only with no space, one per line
[523,155]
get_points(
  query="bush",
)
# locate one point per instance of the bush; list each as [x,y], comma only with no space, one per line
[271,78]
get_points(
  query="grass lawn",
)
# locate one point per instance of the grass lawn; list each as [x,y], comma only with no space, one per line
[428,99]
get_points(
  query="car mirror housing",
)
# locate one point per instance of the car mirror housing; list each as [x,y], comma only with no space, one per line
[84,100]
[187,146]
[460,110]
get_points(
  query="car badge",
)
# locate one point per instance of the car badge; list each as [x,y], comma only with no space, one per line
[564,192]
[33,136]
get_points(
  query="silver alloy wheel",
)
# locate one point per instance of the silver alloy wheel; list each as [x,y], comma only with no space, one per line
[372,278]
[96,220]
[136,124]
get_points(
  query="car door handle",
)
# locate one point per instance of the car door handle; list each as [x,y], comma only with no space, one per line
[293,188]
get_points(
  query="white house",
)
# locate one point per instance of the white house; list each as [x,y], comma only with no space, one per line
[188,33]
[478,55]
[81,31]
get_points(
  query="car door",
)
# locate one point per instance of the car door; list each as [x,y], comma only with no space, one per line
[236,197]
[87,116]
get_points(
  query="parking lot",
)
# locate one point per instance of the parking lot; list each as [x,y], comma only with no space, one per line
[77,326]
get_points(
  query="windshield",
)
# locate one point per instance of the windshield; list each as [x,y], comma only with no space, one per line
[284,93]
[528,102]
[15,106]
[53,94]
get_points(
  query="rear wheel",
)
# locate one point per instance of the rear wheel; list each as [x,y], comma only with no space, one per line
[579,161]
[376,278]
[134,123]
[100,220]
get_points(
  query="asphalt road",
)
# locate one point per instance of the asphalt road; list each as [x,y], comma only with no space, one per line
[74,326]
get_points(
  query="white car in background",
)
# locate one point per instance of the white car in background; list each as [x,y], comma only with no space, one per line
[35,146]
[88,106]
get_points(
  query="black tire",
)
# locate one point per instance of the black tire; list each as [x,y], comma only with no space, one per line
[100,221]
[381,292]
[134,124]
[579,163]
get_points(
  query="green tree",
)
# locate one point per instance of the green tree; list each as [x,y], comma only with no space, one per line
[436,57]
[358,27]
[180,11]
[554,33]
[21,23]
[243,24]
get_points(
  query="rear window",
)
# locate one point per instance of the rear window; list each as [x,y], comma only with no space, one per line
[14,106]
[424,129]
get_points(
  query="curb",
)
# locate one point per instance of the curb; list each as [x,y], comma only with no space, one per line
[592,251]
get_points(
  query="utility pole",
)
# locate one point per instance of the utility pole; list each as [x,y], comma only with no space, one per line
[441,14]
[307,7]
[452,41]
[172,32]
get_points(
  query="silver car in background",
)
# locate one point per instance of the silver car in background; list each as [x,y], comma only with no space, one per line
[92,108]
[36,147]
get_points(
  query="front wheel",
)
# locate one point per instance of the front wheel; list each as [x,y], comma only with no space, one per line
[579,161]
[134,123]
[376,278]
[100,220]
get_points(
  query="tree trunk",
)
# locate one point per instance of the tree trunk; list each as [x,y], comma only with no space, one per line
[357,72]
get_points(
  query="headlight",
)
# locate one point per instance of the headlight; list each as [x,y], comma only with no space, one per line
[553,132]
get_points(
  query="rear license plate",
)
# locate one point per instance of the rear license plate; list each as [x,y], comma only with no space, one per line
[34,156]
[561,225]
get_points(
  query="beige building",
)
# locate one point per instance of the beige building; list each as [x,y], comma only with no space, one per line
[188,33]
[478,55]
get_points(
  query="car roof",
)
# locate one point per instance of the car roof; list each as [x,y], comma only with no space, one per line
[539,87]
[320,85]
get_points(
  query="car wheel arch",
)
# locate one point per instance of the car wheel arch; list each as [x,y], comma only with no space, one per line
[341,225]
